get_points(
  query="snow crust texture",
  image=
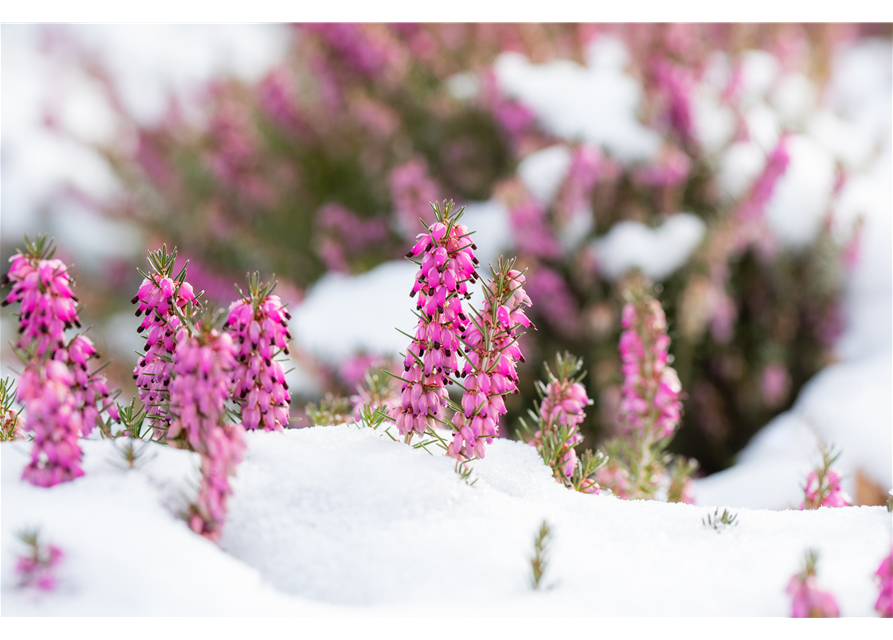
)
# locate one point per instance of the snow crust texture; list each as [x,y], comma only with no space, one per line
[340,520]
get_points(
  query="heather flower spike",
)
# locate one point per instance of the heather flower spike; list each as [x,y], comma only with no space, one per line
[822,488]
[37,567]
[258,326]
[11,421]
[444,254]
[43,286]
[163,298]
[557,421]
[808,601]
[491,351]
[63,399]
[203,365]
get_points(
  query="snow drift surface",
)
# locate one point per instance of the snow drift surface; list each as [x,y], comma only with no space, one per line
[340,520]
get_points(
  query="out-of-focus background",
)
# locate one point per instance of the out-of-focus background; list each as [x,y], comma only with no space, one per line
[745,170]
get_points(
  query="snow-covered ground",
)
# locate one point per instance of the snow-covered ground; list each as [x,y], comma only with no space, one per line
[337,520]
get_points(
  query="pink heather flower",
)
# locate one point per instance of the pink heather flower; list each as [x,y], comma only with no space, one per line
[411,191]
[531,230]
[276,97]
[354,368]
[37,569]
[203,367]
[587,165]
[808,601]
[447,265]
[48,306]
[677,84]
[515,118]
[258,326]
[356,47]
[614,477]
[884,573]
[650,402]
[53,416]
[829,495]
[158,296]
[762,190]
[12,424]
[822,487]
[560,414]
[491,353]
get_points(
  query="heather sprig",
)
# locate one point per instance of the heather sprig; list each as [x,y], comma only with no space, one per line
[650,406]
[258,326]
[719,522]
[133,420]
[555,430]
[332,409]
[539,562]
[36,568]
[808,601]
[822,488]
[12,423]
[444,254]
[378,391]
[163,298]
[491,353]
[132,451]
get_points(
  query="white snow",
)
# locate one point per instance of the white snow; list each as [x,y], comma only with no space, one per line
[802,195]
[336,520]
[739,167]
[597,103]
[543,172]
[657,252]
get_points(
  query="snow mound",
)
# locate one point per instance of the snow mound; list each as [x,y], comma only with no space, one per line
[657,252]
[597,103]
[333,520]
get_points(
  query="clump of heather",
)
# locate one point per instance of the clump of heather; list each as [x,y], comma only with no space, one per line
[650,407]
[63,400]
[884,573]
[808,601]
[37,567]
[203,365]
[162,297]
[12,424]
[257,326]
[556,423]
[491,356]
[822,488]
[446,262]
